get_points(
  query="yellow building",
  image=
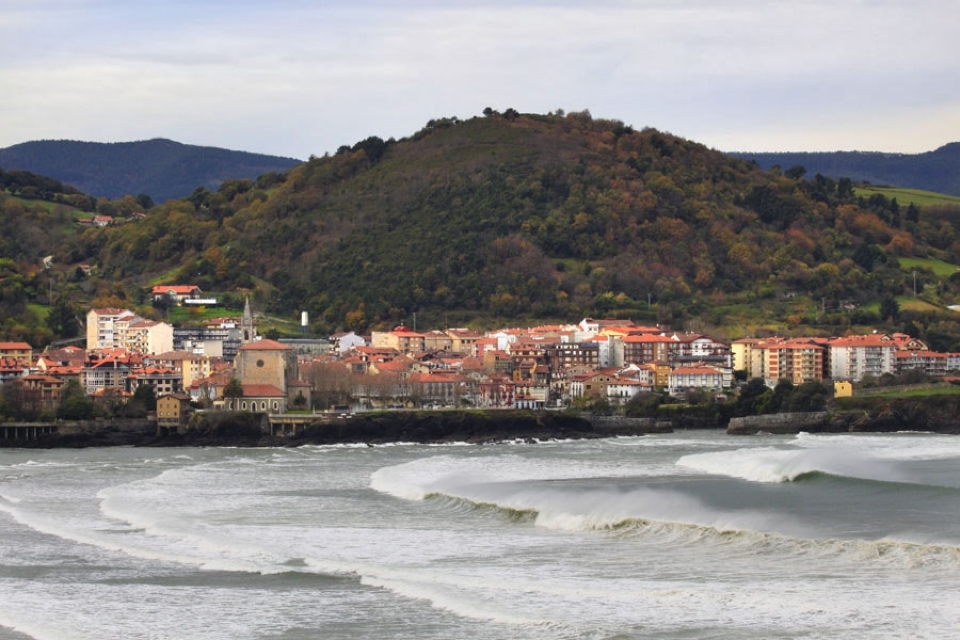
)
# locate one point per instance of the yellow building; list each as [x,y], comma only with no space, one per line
[842,389]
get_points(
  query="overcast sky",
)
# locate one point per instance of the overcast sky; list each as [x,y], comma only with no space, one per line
[299,77]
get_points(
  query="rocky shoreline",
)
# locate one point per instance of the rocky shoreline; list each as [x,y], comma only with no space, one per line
[936,414]
[437,427]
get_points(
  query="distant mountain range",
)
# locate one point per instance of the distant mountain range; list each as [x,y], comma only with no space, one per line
[937,170]
[165,170]
[162,169]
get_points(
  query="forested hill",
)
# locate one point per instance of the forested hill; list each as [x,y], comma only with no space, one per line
[161,169]
[513,217]
[937,170]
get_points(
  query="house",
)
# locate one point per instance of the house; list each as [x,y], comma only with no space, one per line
[441,388]
[497,392]
[343,342]
[20,351]
[176,292]
[161,379]
[45,388]
[12,369]
[464,340]
[401,338]
[172,412]
[621,390]
[696,378]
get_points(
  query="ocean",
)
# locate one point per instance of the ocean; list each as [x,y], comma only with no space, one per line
[674,536]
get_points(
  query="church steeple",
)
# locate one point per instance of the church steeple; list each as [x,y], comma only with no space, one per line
[248,332]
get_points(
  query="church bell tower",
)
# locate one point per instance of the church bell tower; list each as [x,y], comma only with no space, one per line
[248,332]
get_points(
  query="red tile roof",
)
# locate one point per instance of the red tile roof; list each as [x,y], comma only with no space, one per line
[265,345]
[262,391]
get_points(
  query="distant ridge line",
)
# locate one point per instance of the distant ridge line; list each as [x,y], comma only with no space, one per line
[162,168]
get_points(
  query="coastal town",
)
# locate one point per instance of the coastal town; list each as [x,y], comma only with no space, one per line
[227,365]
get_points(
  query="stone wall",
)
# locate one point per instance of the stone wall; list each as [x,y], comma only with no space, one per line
[778,423]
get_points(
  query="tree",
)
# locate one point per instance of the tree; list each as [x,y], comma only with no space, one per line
[145,201]
[234,389]
[145,394]
[795,172]
[74,403]
[62,319]
[751,398]
[777,401]
[889,308]
[913,213]
[300,401]
[810,396]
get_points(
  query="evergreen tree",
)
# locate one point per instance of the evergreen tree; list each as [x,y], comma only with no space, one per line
[145,395]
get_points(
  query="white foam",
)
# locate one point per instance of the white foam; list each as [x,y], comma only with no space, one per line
[439,474]
[769,464]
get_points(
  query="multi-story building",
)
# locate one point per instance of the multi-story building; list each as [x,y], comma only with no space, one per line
[646,348]
[12,369]
[797,360]
[692,348]
[105,373]
[464,340]
[172,411]
[932,363]
[700,378]
[562,356]
[401,338]
[148,337]
[20,351]
[211,341]
[104,327]
[162,380]
[191,366]
[856,357]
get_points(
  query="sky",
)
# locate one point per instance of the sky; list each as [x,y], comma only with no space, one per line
[297,78]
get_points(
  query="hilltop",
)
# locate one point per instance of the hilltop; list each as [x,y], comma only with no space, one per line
[161,169]
[937,170]
[517,218]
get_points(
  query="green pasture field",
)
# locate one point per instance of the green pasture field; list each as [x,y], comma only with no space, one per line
[939,268]
[914,393]
[905,196]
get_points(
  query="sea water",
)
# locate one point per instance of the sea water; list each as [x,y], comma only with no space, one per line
[685,535]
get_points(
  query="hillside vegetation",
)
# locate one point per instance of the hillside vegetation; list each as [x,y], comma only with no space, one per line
[512,218]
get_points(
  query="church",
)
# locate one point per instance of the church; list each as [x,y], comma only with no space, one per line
[268,371]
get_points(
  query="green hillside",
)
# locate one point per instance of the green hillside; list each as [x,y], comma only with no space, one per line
[513,218]
[905,196]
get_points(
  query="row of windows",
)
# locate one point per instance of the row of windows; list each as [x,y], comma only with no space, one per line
[253,405]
